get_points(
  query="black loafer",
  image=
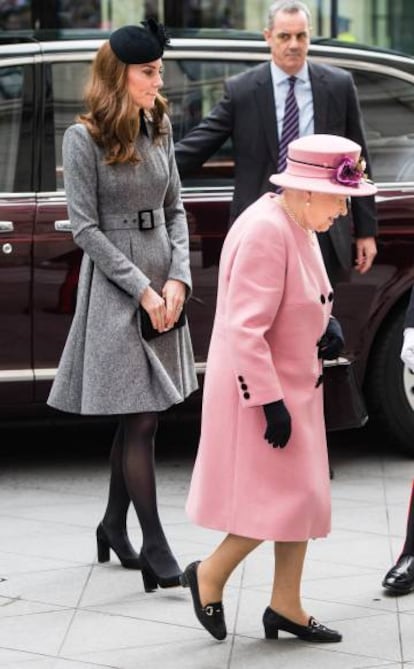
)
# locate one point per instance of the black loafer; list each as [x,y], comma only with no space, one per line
[313,631]
[210,616]
[400,578]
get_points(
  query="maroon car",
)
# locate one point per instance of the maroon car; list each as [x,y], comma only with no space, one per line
[41,85]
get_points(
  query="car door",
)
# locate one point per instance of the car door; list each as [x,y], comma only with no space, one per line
[56,259]
[17,205]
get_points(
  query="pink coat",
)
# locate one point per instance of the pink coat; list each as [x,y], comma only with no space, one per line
[273,304]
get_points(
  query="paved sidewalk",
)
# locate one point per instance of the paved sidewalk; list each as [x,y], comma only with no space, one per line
[59,609]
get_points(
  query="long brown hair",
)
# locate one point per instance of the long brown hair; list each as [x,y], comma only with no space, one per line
[111,117]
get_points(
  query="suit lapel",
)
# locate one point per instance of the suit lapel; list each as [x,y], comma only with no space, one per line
[266,106]
[320,102]
[267,109]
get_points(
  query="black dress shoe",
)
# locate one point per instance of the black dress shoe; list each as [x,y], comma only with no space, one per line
[400,578]
[313,631]
[120,544]
[210,616]
[170,578]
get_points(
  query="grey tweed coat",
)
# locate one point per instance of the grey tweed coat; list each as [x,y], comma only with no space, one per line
[106,367]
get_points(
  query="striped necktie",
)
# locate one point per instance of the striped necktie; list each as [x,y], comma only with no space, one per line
[290,125]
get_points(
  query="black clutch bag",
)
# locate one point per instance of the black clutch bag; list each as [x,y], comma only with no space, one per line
[149,332]
[343,400]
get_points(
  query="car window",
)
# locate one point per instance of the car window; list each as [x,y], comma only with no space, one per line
[68,81]
[192,88]
[387,105]
[11,107]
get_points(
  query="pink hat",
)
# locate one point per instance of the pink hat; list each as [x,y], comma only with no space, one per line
[325,164]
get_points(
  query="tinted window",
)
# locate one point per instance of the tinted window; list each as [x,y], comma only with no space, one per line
[11,107]
[388,109]
[68,80]
[193,87]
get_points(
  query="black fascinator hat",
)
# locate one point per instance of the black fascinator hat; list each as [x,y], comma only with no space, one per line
[139,44]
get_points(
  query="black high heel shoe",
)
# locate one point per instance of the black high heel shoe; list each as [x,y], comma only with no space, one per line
[313,631]
[121,546]
[210,616]
[152,579]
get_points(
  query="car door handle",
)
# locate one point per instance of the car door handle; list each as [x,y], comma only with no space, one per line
[6,226]
[63,226]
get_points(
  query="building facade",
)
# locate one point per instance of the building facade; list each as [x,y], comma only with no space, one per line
[383,23]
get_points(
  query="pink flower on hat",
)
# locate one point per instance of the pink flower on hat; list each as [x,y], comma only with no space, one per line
[350,173]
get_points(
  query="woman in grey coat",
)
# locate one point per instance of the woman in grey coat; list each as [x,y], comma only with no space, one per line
[126,213]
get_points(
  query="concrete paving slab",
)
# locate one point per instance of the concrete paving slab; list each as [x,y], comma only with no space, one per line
[59,609]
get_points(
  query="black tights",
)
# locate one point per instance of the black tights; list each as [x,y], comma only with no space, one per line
[133,479]
[409,539]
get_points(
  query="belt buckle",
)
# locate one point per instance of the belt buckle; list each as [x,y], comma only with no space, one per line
[146,219]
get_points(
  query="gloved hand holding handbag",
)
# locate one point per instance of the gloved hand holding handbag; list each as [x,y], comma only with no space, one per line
[332,343]
[407,351]
[278,423]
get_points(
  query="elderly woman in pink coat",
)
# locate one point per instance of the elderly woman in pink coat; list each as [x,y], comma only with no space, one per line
[261,471]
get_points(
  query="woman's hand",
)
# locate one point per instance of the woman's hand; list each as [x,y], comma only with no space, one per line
[154,305]
[332,343]
[279,424]
[174,296]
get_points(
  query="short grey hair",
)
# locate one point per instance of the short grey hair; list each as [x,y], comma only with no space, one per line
[290,7]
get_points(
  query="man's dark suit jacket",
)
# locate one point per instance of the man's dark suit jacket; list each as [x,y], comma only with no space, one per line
[247,114]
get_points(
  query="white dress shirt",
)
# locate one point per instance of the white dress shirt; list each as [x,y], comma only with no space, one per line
[303,93]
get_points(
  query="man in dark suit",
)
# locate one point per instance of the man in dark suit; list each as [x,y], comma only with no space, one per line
[399,580]
[251,113]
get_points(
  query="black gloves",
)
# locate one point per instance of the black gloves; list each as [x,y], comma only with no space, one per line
[278,424]
[332,343]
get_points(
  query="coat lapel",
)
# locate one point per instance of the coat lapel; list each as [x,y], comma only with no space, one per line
[320,103]
[266,105]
